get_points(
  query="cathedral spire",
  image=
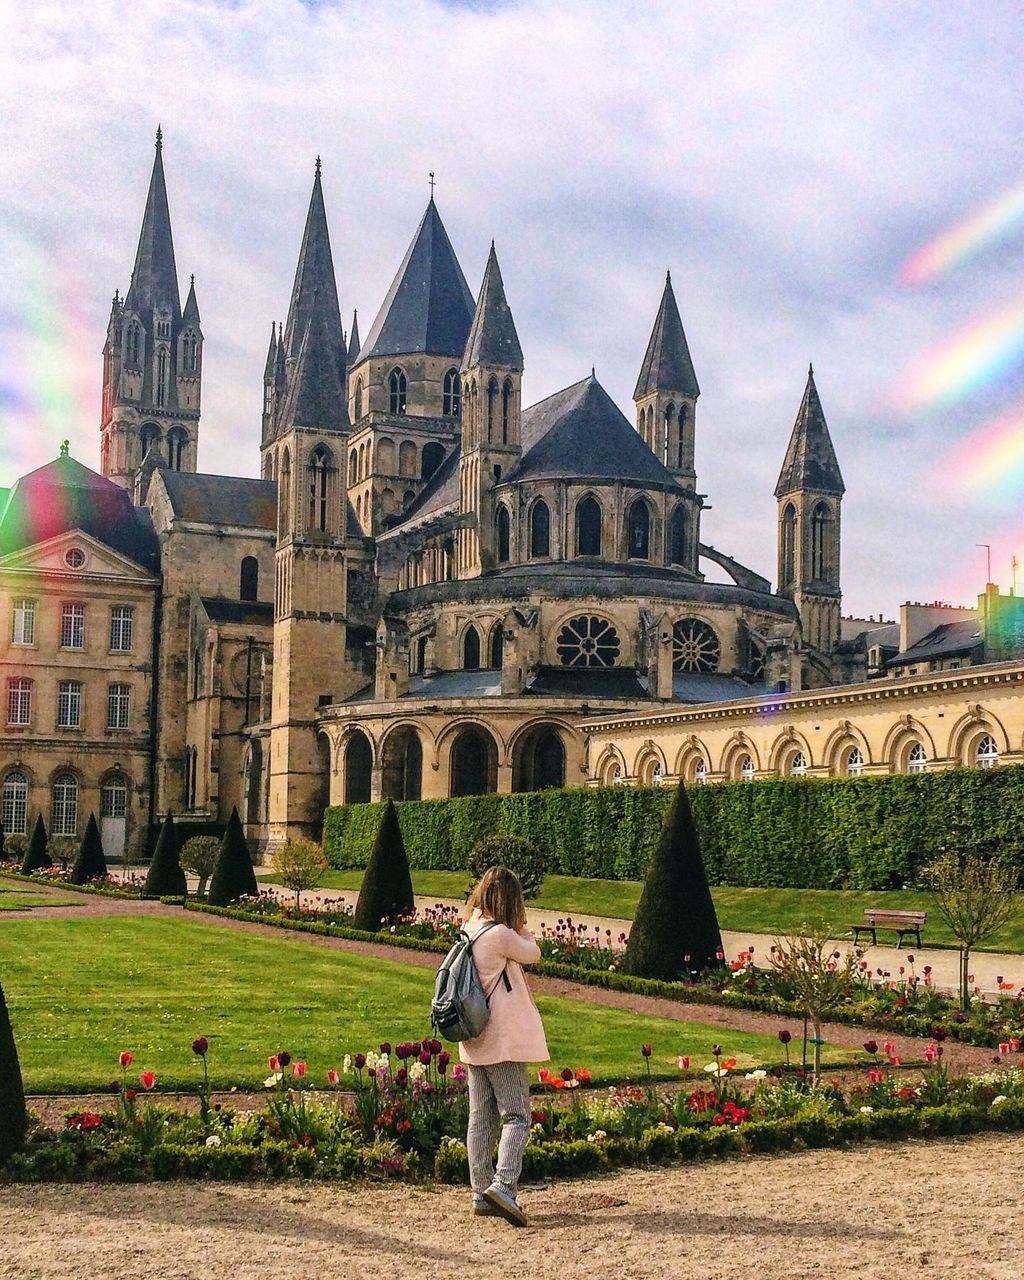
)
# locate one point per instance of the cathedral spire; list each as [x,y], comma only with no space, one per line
[667,365]
[493,341]
[315,284]
[353,340]
[810,461]
[269,367]
[155,277]
[316,388]
[191,313]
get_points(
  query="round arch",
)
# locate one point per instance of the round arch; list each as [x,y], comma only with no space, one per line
[357,752]
[969,730]
[900,738]
[538,758]
[738,749]
[651,768]
[611,767]
[402,764]
[472,762]
[840,742]
[785,748]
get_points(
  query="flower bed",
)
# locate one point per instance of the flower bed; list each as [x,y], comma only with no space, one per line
[402,1110]
[60,878]
[906,1003]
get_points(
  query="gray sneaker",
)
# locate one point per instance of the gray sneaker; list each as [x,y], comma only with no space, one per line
[482,1209]
[505,1205]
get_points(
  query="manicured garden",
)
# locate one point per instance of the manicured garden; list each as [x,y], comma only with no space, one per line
[16,896]
[80,991]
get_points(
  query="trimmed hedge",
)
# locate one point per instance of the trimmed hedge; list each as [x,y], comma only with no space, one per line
[843,833]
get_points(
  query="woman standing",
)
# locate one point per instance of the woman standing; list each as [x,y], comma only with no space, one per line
[496,1060]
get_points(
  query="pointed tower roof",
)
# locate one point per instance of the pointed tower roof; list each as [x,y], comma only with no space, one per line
[667,365]
[271,365]
[580,433]
[811,461]
[191,313]
[314,279]
[353,340]
[316,393]
[492,335]
[154,276]
[429,306]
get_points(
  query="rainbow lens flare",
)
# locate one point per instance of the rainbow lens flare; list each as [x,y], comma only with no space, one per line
[984,352]
[963,241]
[990,460]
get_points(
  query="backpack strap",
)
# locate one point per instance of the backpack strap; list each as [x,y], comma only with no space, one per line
[503,976]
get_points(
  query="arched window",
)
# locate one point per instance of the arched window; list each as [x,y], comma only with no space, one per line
[419,656]
[917,758]
[150,437]
[197,672]
[504,534]
[684,420]
[471,649]
[787,558]
[318,484]
[506,410]
[161,377]
[15,804]
[588,527]
[492,401]
[797,765]
[248,578]
[540,529]
[639,531]
[986,753]
[497,647]
[358,399]
[284,492]
[353,467]
[64,817]
[746,769]
[821,520]
[700,771]
[193,778]
[657,774]
[666,427]
[396,387]
[695,646]
[134,346]
[114,798]
[677,536]
[177,442]
[431,458]
[853,763]
[452,394]
[190,351]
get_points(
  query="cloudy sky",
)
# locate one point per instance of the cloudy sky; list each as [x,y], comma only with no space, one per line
[787,161]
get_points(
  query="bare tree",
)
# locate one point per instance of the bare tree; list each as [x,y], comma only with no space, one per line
[976,897]
[819,974]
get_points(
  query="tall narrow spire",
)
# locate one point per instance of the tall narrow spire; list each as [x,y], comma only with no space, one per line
[353,340]
[314,281]
[155,277]
[667,365]
[493,340]
[810,461]
[316,388]
[271,365]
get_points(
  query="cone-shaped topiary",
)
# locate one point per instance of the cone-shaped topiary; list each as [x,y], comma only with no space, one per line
[165,878]
[233,877]
[676,917]
[90,863]
[36,856]
[386,891]
[13,1116]
[1,843]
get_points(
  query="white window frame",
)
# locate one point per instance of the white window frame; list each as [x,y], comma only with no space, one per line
[700,771]
[853,764]
[15,804]
[797,766]
[69,704]
[72,625]
[19,701]
[119,703]
[747,769]
[64,810]
[114,798]
[122,628]
[986,753]
[23,627]
[917,758]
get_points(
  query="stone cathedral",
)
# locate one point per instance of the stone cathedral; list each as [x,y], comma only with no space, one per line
[430,587]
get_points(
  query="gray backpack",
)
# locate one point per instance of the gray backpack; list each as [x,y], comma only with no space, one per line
[460,1009]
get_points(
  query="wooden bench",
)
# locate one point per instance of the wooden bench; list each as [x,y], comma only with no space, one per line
[905,923]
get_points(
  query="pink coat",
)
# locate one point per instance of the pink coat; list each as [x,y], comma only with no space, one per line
[514,1032]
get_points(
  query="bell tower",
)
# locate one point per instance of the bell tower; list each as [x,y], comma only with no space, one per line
[666,392]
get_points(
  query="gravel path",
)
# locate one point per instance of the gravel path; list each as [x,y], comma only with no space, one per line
[941,1209]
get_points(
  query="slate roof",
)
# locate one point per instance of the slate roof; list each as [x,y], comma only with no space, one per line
[713,687]
[224,500]
[316,388]
[66,495]
[245,612]
[667,365]
[810,461]
[493,341]
[945,641]
[353,339]
[581,433]
[456,684]
[588,682]
[429,306]
[155,276]
[441,492]
[314,281]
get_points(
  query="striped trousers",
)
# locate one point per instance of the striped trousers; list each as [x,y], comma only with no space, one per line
[499,1098]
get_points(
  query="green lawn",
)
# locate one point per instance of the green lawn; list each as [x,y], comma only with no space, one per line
[757,910]
[15,897]
[80,991]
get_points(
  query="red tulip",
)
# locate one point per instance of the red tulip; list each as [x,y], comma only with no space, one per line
[273,1063]
[147,1079]
[125,1060]
[332,1076]
[298,1070]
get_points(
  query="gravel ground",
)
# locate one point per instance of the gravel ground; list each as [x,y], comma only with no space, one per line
[941,1209]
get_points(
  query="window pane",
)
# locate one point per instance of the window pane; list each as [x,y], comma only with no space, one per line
[24,622]
[19,702]
[65,806]
[114,800]
[118,699]
[72,626]
[15,804]
[121,620]
[69,704]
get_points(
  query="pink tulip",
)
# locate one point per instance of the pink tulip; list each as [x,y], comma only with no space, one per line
[888,1048]
[273,1063]
[298,1070]
[930,1053]
[332,1076]
[683,1062]
[1004,1048]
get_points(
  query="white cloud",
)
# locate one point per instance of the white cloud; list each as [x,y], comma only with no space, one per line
[782,160]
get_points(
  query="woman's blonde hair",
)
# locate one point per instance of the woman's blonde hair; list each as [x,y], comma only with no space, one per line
[499,895]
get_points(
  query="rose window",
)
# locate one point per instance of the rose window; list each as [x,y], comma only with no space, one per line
[588,642]
[695,646]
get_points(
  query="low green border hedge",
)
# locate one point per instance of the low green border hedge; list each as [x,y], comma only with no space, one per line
[55,882]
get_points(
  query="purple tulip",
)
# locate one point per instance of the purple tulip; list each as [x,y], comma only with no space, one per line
[567,1072]
[645,1049]
[870,1046]
[415,1049]
[443,1058]
[716,1051]
[359,1061]
[200,1046]
[403,1050]
[785,1036]
[284,1057]
[425,1057]
[385,1048]
[401,1076]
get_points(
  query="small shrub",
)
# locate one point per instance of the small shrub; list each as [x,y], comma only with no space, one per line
[60,850]
[299,865]
[199,856]
[525,857]
[15,848]
[233,877]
